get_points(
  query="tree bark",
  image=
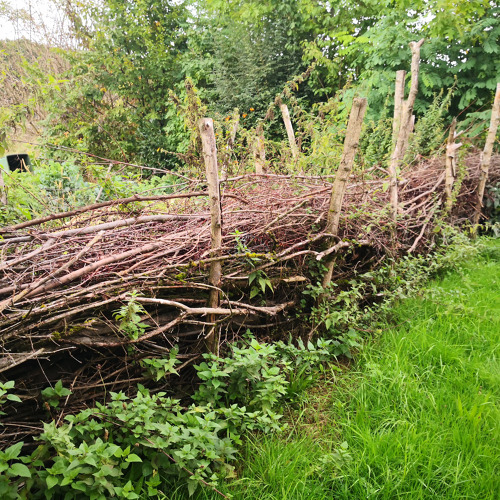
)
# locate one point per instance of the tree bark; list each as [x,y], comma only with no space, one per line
[451,162]
[486,155]
[259,151]
[399,95]
[404,129]
[351,142]
[206,127]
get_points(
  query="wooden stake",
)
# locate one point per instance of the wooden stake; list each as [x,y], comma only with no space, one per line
[206,126]
[486,155]
[230,143]
[451,165]
[259,151]
[399,95]
[3,191]
[351,142]
[289,130]
[404,129]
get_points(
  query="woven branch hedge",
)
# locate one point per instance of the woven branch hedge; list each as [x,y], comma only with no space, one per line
[63,276]
[59,282]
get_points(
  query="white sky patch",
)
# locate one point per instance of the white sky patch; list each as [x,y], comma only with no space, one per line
[34,20]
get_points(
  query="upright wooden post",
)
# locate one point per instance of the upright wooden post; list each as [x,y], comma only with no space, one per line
[486,155]
[351,142]
[234,128]
[451,165]
[3,191]
[289,130]
[206,127]
[404,129]
[399,96]
[259,151]
[230,143]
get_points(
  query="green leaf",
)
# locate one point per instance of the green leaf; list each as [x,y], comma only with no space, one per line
[133,458]
[13,451]
[51,481]
[19,470]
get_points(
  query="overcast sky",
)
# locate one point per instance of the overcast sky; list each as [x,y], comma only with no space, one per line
[49,21]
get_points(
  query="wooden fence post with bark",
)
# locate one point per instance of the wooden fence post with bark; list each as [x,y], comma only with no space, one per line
[230,143]
[206,127]
[399,96]
[289,130]
[351,142]
[451,165]
[259,151]
[405,125]
[486,156]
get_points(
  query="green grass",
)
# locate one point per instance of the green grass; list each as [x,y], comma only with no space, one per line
[417,417]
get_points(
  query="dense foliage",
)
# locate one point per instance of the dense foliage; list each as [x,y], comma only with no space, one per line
[116,102]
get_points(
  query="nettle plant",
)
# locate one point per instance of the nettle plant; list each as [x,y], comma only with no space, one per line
[13,471]
[137,447]
[158,368]
[346,308]
[53,395]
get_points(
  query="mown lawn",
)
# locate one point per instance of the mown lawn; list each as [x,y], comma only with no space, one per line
[417,416]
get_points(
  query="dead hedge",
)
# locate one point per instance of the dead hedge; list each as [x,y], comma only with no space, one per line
[63,276]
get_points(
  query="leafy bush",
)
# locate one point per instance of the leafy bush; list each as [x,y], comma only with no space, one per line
[136,447]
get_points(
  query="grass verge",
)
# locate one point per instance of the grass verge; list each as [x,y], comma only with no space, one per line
[416,417]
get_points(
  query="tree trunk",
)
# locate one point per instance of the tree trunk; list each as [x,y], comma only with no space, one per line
[351,142]
[206,127]
[486,155]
